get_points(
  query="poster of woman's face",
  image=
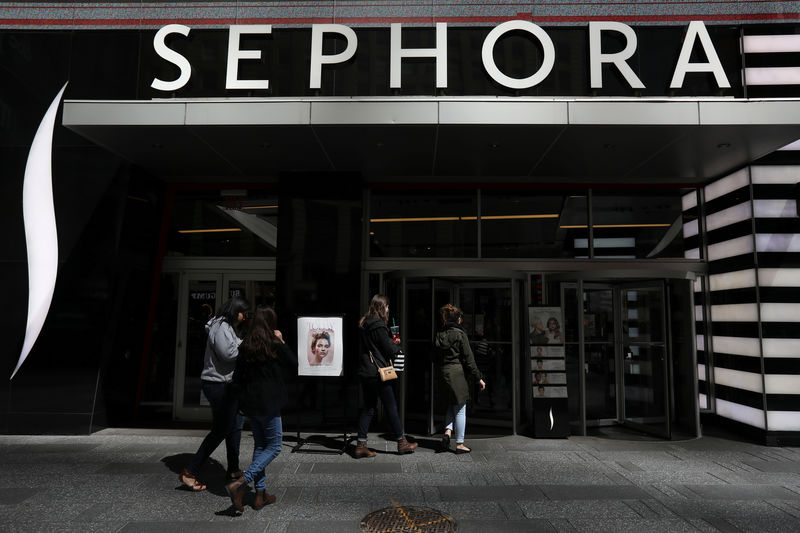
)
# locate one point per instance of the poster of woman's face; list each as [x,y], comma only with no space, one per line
[545,326]
[547,364]
[546,391]
[545,352]
[319,346]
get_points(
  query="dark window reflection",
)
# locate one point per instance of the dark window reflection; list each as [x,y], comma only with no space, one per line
[547,224]
[638,225]
[423,224]
[219,224]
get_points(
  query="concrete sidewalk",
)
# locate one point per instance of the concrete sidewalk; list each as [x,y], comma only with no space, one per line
[126,480]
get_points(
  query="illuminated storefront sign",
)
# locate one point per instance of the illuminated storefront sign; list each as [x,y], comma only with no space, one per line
[696,39]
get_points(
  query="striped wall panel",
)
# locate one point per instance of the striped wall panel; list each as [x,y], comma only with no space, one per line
[748,307]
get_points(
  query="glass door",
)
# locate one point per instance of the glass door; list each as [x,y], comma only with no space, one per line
[198,302]
[600,354]
[201,296]
[644,357]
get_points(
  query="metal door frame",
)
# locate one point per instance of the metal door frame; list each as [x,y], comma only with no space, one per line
[451,275]
[666,363]
[222,270]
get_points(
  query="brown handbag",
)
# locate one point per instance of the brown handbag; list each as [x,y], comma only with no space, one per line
[385,373]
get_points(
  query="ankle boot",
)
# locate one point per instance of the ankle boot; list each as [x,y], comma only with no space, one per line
[263,498]
[403,446]
[363,451]
[235,490]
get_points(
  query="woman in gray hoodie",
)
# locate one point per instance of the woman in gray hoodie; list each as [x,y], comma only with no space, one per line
[222,348]
[456,362]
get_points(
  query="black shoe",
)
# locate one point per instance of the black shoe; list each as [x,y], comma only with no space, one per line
[445,444]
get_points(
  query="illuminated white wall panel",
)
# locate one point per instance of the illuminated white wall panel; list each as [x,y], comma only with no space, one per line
[782,383]
[772,75]
[737,180]
[783,420]
[731,215]
[770,44]
[781,312]
[738,379]
[741,413]
[731,248]
[778,242]
[781,347]
[791,146]
[775,208]
[694,253]
[703,401]
[700,342]
[698,313]
[779,277]
[775,175]
[732,280]
[702,372]
[690,229]
[734,313]
[689,201]
[736,345]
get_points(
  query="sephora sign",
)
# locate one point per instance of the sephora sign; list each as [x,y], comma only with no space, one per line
[696,35]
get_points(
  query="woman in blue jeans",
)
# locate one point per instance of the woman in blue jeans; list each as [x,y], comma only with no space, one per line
[259,388]
[222,347]
[456,363]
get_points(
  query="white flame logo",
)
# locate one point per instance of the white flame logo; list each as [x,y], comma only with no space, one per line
[41,238]
[552,420]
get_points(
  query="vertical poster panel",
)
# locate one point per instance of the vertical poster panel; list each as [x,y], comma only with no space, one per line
[548,372]
[320,350]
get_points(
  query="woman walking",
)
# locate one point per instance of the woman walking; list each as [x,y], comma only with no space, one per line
[379,351]
[222,348]
[258,384]
[456,362]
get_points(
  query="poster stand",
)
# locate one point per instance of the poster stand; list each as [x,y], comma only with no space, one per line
[319,440]
[323,443]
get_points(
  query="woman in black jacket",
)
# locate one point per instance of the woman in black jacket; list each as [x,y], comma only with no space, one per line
[258,385]
[379,350]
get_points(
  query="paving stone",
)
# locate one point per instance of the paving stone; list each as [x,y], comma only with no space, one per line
[357,494]
[775,466]
[743,492]
[633,526]
[329,526]
[508,526]
[238,526]
[498,493]
[356,468]
[573,492]
[15,495]
[577,509]
[766,525]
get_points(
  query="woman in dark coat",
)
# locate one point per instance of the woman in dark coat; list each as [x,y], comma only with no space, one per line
[456,362]
[259,387]
[379,350]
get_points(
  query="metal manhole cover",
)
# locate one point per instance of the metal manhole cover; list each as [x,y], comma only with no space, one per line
[408,519]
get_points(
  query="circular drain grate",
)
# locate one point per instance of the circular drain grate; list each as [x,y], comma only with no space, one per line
[402,519]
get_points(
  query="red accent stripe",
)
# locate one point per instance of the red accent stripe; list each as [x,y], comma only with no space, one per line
[732,17]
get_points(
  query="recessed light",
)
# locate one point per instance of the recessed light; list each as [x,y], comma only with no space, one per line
[724,145]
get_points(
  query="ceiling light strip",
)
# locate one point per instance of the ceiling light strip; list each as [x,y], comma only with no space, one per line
[772,76]
[212,230]
[768,44]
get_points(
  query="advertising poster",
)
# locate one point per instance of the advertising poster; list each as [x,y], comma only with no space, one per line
[546,336]
[320,348]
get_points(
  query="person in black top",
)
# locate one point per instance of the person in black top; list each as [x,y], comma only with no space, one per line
[377,341]
[259,387]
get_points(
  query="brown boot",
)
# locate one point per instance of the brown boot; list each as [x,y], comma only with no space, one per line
[363,451]
[235,490]
[263,498]
[403,446]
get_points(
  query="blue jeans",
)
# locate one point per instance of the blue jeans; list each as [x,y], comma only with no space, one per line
[267,437]
[457,414]
[226,424]
[374,388]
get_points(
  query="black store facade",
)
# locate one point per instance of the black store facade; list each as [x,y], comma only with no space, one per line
[626,179]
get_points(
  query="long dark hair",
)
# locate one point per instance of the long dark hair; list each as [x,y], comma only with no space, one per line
[377,309]
[257,344]
[231,309]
